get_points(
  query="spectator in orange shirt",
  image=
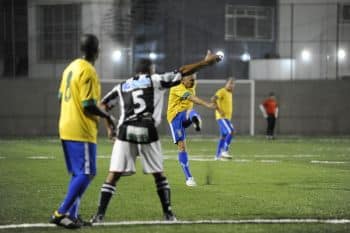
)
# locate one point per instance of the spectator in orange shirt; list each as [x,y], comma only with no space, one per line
[269,109]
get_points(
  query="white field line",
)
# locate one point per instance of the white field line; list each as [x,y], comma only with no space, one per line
[270,161]
[184,222]
[328,162]
[203,158]
[41,157]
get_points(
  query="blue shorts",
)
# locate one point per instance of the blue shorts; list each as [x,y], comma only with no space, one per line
[80,157]
[176,126]
[226,127]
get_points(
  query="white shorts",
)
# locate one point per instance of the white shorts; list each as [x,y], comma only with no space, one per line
[124,156]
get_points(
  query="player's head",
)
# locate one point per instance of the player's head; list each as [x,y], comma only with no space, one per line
[230,83]
[145,66]
[89,47]
[271,94]
[189,81]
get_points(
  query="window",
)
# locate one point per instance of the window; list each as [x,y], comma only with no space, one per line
[345,13]
[248,23]
[58,32]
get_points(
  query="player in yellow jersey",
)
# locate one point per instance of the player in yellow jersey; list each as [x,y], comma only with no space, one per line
[79,96]
[223,99]
[180,115]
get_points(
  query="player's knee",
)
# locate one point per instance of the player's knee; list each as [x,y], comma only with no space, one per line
[181,146]
[159,177]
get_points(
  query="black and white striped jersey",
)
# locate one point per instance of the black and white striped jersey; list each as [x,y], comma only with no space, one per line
[141,97]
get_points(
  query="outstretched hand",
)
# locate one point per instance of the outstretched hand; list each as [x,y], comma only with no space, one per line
[212,58]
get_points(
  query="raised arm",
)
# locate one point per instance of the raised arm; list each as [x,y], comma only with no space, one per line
[209,59]
[202,102]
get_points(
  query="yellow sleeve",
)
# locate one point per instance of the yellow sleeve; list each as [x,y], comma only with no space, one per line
[88,88]
[219,94]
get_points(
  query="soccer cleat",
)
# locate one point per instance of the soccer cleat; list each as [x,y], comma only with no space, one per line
[169,216]
[98,218]
[197,123]
[64,221]
[225,155]
[82,222]
[190,182]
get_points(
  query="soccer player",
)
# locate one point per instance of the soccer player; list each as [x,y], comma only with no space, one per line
[140,101]
[79,95]
[223,99]
[269,109]
[180,115]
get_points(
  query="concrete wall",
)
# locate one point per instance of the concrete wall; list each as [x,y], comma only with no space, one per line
[313,25]
[30,108]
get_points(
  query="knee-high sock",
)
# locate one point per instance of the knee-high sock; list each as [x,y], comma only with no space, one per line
[183,159]
[163,190]
[228,139]
[76,188]
[221,145]
[107,191]
[74,210]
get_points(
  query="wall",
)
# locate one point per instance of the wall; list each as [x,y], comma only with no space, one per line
[98,18]
[320,32]
[30,108]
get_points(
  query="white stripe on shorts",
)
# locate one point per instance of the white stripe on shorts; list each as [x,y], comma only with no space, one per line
[86,158]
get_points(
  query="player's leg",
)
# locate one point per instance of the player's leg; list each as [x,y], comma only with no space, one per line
[164,194]
[273,124]
[228,139]
[152,162]
[107,191]
[183,159]
[122,163]
[269,126]
[81,162]
[179,135]
[221,143]
[195,118]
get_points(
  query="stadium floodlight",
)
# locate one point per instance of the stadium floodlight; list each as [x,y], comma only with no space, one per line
[153,56]
[305,55]
[341,54]
[245,57]
[116,55]
[221,54]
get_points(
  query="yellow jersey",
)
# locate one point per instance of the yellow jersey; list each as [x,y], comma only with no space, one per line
[178,100]
[80,86]
[224,101]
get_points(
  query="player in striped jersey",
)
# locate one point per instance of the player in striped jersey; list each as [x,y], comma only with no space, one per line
[140,101]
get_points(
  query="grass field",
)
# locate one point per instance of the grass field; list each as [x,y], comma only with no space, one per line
[289,178]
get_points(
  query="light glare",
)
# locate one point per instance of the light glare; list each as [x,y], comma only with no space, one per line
[306,55]
[153,56]
[117,55]
[245,57]
[341,54]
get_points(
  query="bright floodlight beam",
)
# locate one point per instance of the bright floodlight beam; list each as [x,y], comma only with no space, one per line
[306,55]
[152,56]
[341,54]
[116,55]
[245,57]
